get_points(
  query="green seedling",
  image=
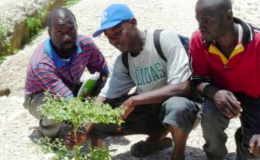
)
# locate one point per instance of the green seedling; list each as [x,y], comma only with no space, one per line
[78,112]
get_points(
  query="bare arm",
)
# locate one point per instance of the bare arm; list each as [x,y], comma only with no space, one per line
[156,96]
[224,100]
[206,89]
[160,95]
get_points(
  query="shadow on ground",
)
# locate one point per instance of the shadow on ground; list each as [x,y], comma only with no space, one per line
[191,154]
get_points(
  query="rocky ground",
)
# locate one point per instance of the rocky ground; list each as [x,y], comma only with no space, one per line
[176,15]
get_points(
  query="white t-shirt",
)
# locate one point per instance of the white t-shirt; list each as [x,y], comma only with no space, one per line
[148,71]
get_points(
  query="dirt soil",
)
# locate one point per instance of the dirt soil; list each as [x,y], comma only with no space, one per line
[177,15]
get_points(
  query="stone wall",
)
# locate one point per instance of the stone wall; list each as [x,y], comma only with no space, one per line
[14,14]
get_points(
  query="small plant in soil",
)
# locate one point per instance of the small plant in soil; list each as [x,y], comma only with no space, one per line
[78,112]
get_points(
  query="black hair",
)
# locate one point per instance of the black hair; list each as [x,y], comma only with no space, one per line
[220,5]
[57,11]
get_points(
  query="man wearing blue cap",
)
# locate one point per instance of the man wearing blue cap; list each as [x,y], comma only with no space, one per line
[159,104]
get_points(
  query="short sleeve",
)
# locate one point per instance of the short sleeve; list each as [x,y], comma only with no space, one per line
[178,69]
[119,82]
[97,61]
[200,66]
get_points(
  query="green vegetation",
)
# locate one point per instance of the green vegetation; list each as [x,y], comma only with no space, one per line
[99,154]
[48,145]
[61,152]
[2,58]
[71,3]
[35,24]
[5,45]
[43,13]
[79,112]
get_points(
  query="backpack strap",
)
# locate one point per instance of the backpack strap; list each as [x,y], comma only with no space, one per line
[185,42]
[156,39]
[157,45]
[125,60]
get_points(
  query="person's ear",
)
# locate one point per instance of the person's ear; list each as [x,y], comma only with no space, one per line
[133,22]
[229,15]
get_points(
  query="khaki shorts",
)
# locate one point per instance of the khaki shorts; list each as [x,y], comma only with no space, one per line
[47,126]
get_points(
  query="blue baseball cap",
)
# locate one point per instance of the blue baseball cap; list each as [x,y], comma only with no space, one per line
[112,16]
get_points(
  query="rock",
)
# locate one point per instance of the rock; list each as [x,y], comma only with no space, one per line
[4,91]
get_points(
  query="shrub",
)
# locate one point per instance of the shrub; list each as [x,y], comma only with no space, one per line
[78,111]
[5,45]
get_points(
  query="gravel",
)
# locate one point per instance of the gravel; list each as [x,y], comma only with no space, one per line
[176,15]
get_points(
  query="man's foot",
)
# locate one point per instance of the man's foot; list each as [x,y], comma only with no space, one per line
[146,148]
[37,133]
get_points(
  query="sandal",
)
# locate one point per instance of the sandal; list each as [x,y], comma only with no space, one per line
[146,148]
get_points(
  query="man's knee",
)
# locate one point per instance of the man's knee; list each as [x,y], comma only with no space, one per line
[180,106]
[179,112]
[213,124]
[210,111]
[33,102]
[47,127]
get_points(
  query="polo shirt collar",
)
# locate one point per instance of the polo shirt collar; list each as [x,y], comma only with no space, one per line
[245,35]
[54,56]
[248,32]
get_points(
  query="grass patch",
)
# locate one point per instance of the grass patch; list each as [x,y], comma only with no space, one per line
[35,24]
[5,44]
[2,58]
[71,3]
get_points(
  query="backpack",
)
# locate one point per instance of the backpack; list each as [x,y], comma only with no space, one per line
[185,42]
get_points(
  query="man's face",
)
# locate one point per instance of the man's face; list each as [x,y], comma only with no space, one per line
[121,36]
[63,33]
[211,22]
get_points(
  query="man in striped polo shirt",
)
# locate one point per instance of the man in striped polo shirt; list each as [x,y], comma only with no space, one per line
[226,70]
[57,65]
